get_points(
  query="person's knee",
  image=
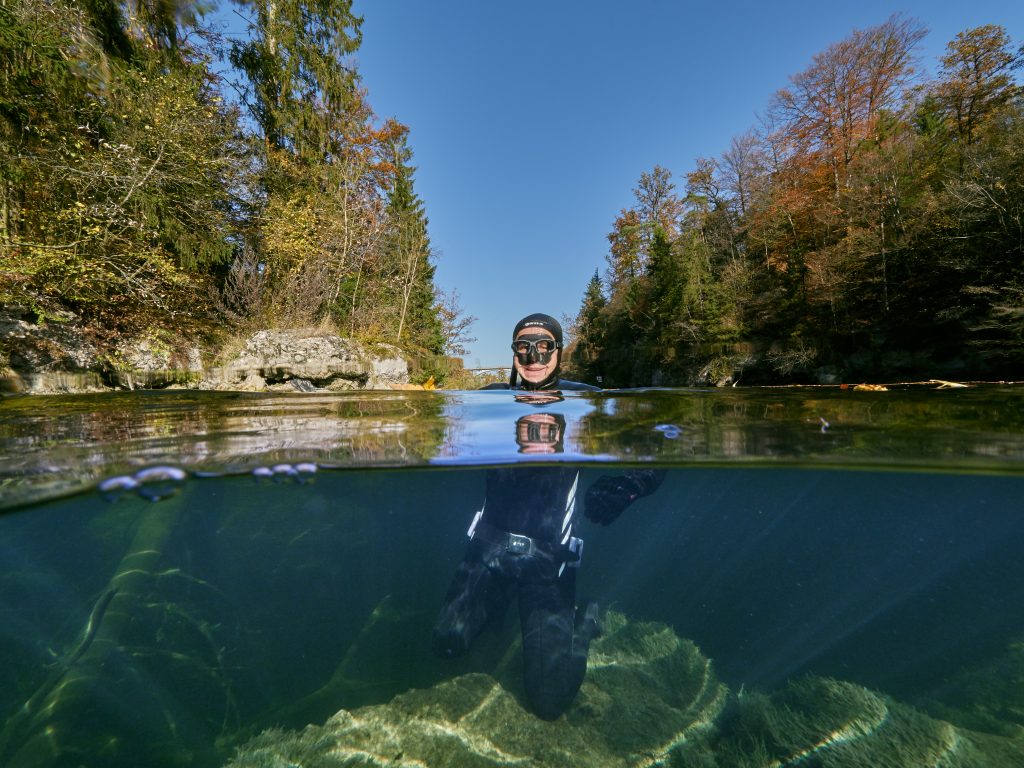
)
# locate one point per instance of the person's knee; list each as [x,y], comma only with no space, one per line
[546,705]
[551,688]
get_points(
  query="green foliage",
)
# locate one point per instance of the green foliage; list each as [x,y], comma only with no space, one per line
[116,175]
[588,334]
[868,231]
[133,194]
[301,85]
[407,251]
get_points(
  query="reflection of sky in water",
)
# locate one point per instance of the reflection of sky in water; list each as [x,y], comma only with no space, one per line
[52,445]
[482,426]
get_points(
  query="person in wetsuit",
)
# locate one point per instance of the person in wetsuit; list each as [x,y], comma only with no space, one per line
[522,540]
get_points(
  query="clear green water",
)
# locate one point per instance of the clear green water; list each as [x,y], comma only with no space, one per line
[824,578]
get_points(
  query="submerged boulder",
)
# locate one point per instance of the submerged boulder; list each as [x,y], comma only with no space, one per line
[986,697]
[649,699]
[646,692]
[835,724]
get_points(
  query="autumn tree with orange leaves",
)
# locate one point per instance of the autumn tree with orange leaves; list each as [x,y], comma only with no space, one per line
[872,225]
[337,232]
[976,80]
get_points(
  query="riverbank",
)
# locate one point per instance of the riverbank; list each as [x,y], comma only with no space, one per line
[62,357]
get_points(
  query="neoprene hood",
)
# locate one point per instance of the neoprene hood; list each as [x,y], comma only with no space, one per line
[548,323]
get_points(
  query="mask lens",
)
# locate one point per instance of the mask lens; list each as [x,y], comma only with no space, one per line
[534,350]
[530,433]
[542,433]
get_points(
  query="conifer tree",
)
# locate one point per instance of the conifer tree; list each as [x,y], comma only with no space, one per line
[408,247]
[301,82]
[588,333]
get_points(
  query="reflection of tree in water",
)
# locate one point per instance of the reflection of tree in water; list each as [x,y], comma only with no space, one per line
[73,442]
[913,426]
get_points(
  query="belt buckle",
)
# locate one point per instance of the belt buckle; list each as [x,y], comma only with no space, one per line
[519,545]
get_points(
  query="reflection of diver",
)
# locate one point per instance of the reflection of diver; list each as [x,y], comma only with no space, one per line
[540,433]
[522,542]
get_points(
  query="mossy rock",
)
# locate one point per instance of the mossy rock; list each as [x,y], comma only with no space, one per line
[829,723]
[649,699]
[646,692]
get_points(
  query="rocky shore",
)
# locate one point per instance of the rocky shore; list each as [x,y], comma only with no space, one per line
[57,357]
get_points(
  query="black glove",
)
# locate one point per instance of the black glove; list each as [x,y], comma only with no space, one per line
[608,497]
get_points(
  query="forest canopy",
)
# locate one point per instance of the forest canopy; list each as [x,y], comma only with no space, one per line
[156,177]
[871,225]
[146,185]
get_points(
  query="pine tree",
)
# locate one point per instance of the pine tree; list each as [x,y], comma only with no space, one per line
[408,247]
[301,84]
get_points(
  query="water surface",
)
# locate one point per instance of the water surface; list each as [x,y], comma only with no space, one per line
[808,547]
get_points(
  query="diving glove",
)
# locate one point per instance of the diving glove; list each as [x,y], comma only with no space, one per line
[608,497]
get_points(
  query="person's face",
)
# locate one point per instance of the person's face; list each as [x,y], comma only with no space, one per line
[536,371]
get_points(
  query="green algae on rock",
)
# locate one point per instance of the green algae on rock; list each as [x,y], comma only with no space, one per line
[650,699]
[830,723]
[646,692]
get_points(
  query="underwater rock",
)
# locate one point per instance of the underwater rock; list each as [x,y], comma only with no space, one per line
[988,697]
[649,699]
[835,724]
[646,693]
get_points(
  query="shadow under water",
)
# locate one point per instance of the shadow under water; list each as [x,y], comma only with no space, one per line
[809,603]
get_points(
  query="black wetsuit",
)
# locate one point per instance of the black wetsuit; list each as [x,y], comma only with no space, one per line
[522,542]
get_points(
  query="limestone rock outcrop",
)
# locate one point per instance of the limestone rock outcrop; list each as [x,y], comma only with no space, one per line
[59,357]
[306,360]
[46,358]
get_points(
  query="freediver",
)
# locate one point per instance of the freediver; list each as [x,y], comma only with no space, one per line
[522,540]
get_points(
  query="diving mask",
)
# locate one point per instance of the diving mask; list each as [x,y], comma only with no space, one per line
[534,348]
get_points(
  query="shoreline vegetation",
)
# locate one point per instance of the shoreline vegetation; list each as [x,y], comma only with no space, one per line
[869,228]
[150,193]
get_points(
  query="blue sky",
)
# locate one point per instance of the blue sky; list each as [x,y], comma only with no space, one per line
[531,122]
